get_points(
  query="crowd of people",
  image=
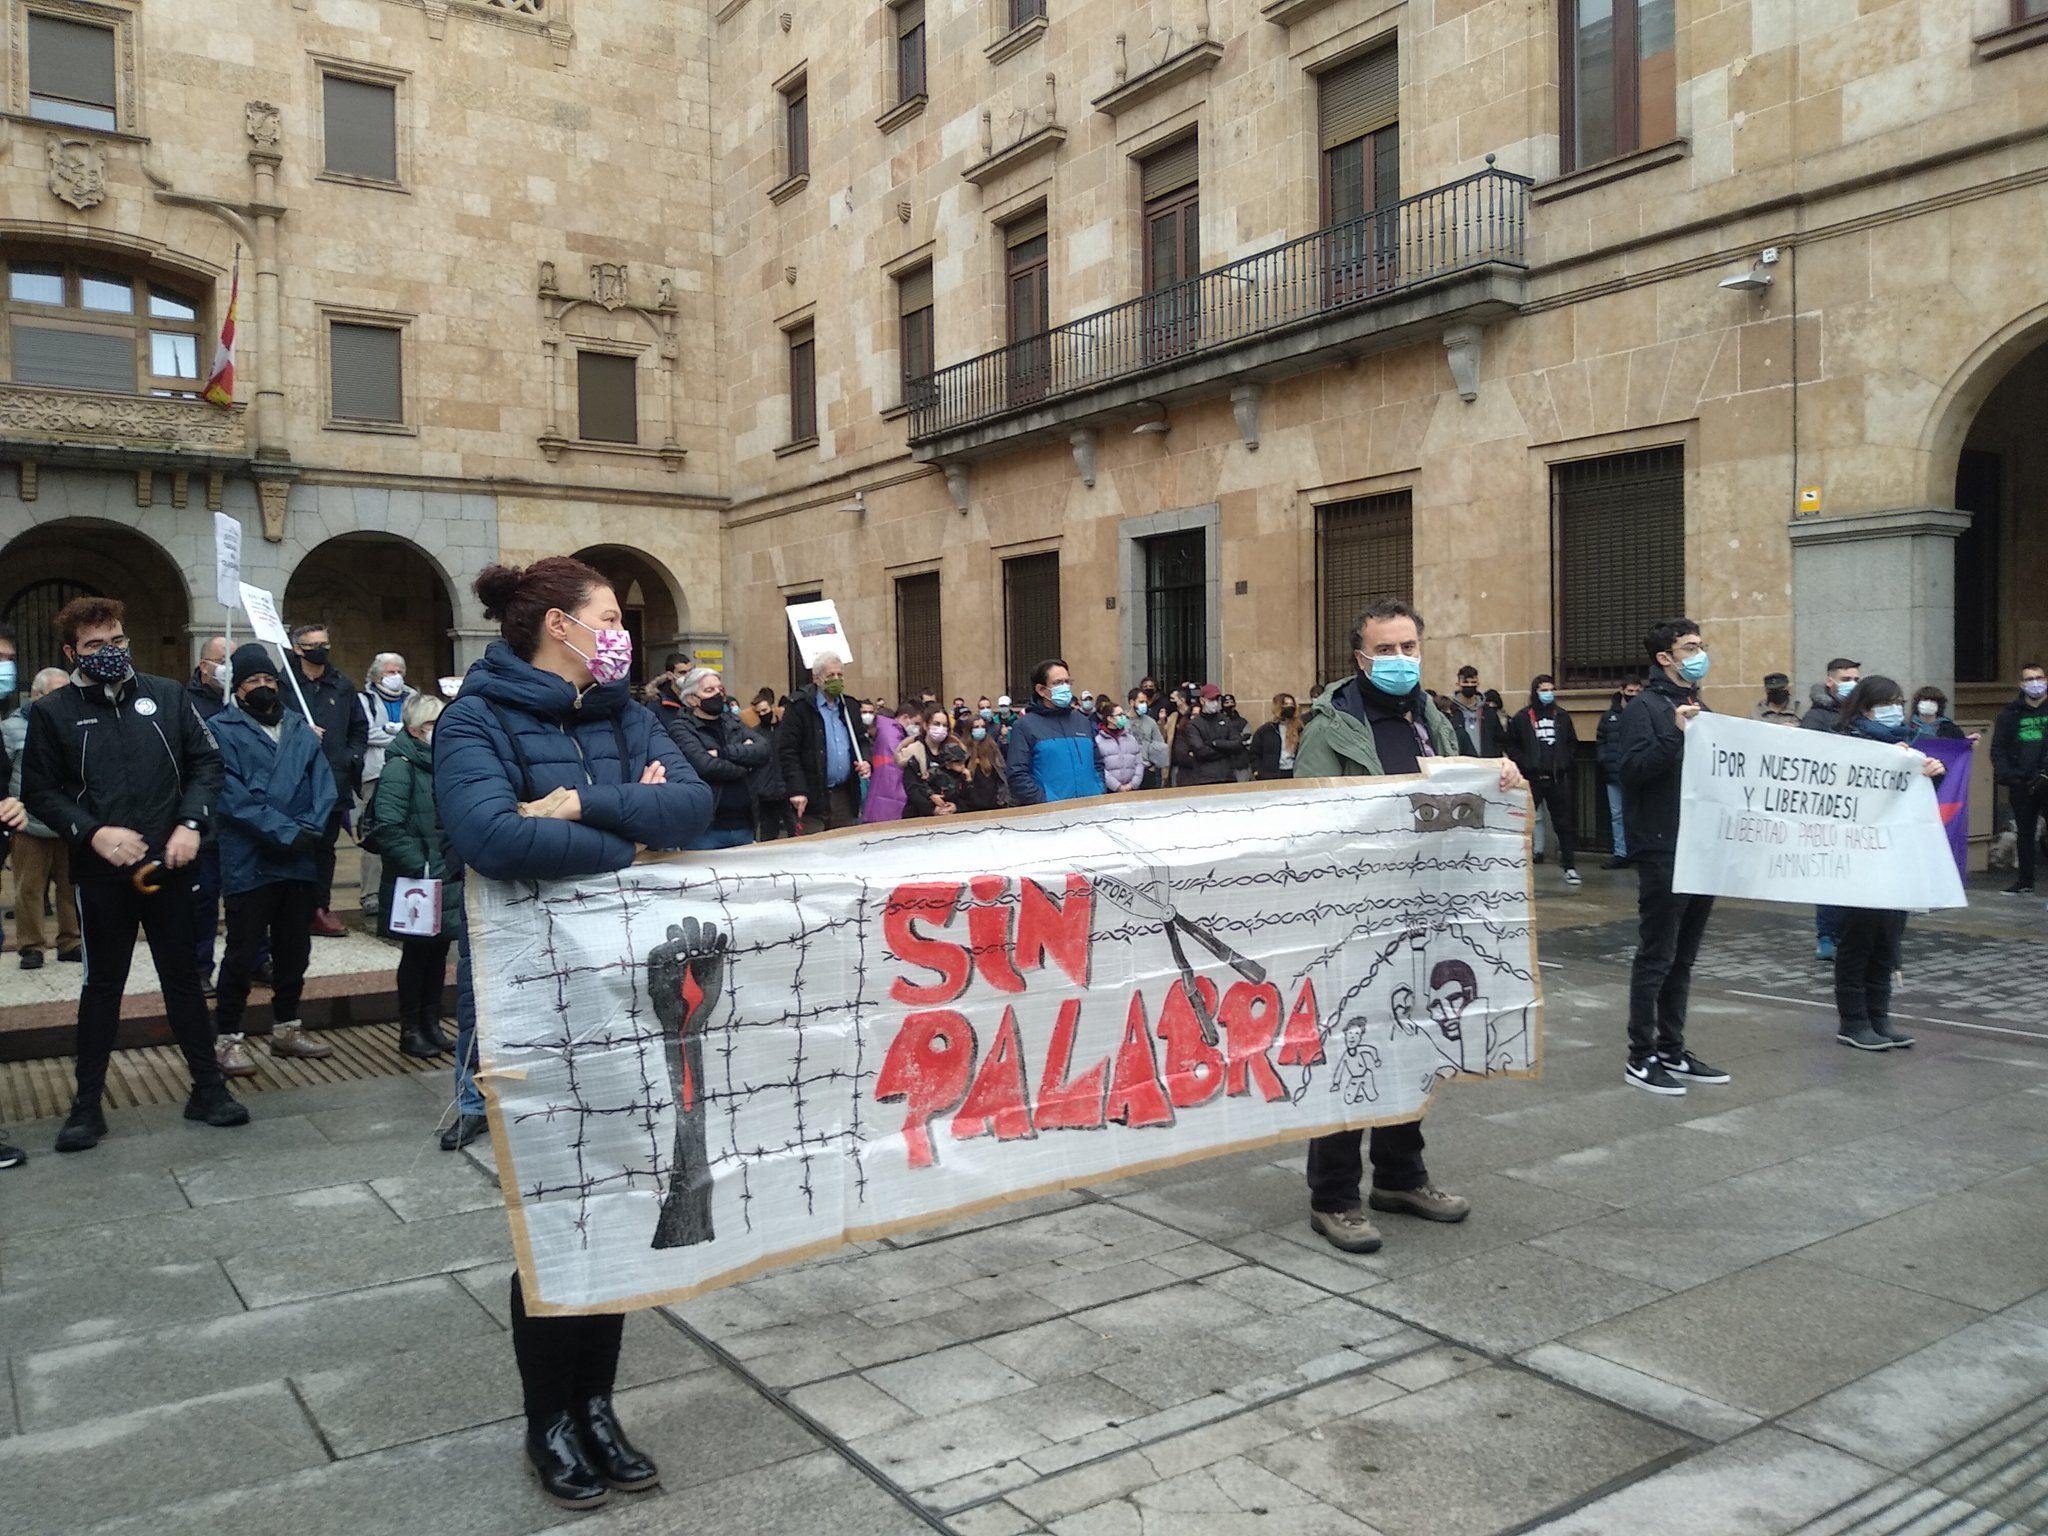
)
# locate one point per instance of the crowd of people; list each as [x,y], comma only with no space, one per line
[160,803]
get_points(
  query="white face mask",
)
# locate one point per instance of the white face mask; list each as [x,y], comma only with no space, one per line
[392,685]
[1927,709]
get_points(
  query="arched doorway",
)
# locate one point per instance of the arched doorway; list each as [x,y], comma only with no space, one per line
[647,599]
[2002,558]
[46,567]
[375,592]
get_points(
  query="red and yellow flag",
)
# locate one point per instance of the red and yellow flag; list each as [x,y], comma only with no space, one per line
[220,386]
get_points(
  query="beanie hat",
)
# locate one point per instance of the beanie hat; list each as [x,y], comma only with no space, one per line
[249,660]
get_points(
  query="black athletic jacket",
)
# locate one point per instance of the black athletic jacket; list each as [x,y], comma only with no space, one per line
[1652,757]
[140,760]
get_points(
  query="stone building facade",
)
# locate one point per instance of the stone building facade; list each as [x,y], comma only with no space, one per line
[440,209]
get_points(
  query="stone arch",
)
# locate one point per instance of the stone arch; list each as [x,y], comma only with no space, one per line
[376,592]
[54,559]
[657,613]
[1964,394]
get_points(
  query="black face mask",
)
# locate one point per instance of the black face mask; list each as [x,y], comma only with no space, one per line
[1780,695]
[264,705]
[316,655]
[1469,690]
[1286,711]
[711,704]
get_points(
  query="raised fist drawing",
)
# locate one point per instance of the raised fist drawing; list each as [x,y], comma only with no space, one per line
[685,979]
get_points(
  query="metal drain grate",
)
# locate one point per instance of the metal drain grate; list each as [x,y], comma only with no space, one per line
[155,1074]
[1992,1482]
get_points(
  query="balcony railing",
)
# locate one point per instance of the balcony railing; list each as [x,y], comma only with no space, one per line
[1477,222]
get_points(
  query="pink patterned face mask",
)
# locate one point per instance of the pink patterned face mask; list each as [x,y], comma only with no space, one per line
[613,660]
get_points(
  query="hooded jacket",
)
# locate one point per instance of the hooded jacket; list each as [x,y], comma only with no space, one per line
[886,800]
[1122,759]
[1492,730]
[1337,743]
[379,729]
[1526,748]
[1209,749]
[409,833]
[1607,738]
[1824,712]
[517,733]
[1151,742]
[206,700]
[1652,755]
[138,758]
[2019,742]
[275,799]
[1051,756]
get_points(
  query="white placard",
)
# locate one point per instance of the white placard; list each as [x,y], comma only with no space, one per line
[1816,818]
[261,608]
[700,1067]
[818,630]
[227,560]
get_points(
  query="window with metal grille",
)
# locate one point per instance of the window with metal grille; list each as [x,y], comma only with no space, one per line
[359,127]
[916,335]
[1031,618]
[799,674]
[803,384]
[910,79]
[1618,539]
[796,126]
[607,401]
[71,72]
[920,662]
[1177,608]
[366,372]
[1365,551]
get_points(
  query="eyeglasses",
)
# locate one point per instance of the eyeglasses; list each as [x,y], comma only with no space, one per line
[94,647]
[1694,648]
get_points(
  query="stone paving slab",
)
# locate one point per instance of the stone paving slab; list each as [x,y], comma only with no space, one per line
[316,1267]
[87,1306]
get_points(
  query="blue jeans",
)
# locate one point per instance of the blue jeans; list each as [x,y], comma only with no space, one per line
[732,837]
[469,1099]
[1620,835]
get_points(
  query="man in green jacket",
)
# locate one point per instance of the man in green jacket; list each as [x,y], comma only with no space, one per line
[1378,722]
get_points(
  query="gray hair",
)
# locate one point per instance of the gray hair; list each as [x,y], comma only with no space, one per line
[45,681]
[421,709]
[694,680]
[377,665]
[826,659]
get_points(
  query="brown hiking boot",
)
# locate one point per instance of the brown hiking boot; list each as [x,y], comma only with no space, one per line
[1348,1230]
[1428,1202]
[294,1042]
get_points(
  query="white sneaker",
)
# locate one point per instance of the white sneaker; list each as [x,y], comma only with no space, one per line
[1571,877]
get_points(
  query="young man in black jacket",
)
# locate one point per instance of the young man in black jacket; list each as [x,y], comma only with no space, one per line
[344,738]
[1669,925]
[2019,761]
[1544,744]
[1607,748]
[121,768]
[726,755]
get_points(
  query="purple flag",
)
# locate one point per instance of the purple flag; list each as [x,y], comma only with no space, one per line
[1952,793]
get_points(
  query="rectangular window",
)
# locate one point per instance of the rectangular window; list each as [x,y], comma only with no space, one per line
[607,399]
[71,72]
[1031,617]
[1358,109]
[910,81]
[366,375]
[1618,533]
[919,656]
[796,128]
[1365,551]
[359,127]
[803,384]
[74,357]
[1177,607]
[1169,182]
[799,674]
[915,336]
[1022,11]
[1027,305]
[1620,78]
[2029,10]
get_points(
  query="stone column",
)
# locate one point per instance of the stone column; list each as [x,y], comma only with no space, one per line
[1881,587]
[269,409]
[470,644]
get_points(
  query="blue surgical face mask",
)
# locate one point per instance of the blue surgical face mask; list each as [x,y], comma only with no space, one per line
[1694,667]
[1845,687]
[981,733]
[1889,714]
[1144,708]
[1062,695]
[10,675]
[1397,675]
[1545,696]
[988,714]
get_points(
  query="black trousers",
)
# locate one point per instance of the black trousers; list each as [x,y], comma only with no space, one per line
[422,978]
[2029,805]
[773,821]
[110,912]
[1669,928]
[839,807]
[1866,954]
[323,861]
[206,910]
[563,1361]
[1336,1166]
[280,915]
[1554,794]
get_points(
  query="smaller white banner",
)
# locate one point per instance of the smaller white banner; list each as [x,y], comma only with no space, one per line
[1809,817]
[227,560]
[818,630]
[261,608]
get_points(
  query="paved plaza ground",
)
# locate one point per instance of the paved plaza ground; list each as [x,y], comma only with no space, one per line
[1811,1301]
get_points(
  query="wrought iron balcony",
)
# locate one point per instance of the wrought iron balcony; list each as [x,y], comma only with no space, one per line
[1454,253]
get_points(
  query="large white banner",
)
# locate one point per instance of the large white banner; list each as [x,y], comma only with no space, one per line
[704,1066]
[1811,817]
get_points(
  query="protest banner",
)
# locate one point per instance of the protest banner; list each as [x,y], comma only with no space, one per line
[227,561]
[1952,794]
[706,1065]
[817,630]
[1813,817]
